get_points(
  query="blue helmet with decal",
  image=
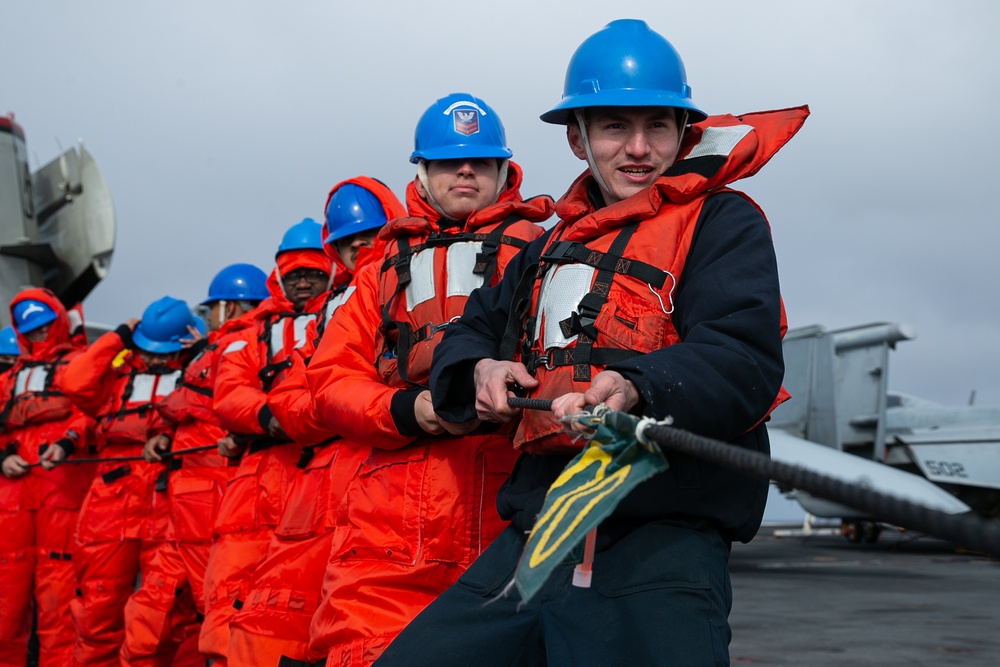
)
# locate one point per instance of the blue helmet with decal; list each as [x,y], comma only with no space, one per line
[238,282]
[8,342]
[164,323]
[30,314]
[352,209]
[459,126]
[305,235]
[624,65]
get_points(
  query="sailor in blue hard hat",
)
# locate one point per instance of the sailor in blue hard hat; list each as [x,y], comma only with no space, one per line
[234,290]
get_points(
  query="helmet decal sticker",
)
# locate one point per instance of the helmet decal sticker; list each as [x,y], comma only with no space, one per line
[466,121]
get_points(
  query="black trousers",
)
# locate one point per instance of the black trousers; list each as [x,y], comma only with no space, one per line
[660,596]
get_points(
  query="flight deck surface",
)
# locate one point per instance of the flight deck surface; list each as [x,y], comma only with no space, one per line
[821,600]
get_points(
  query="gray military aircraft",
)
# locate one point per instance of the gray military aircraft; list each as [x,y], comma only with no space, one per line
[57,225]
[843,421]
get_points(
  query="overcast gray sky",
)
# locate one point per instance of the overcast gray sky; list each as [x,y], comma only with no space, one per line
[219,124]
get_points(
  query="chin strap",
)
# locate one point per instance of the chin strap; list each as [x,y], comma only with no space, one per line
[428,196]
[581,122]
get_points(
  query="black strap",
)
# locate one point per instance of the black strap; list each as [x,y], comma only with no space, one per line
[161,481]
[486,258]
[117,473]
[305,456]
[262,444]
[583,320]
[204,391]
[599,356]
[401,265]
[269,373]
[516,325]
[564,252]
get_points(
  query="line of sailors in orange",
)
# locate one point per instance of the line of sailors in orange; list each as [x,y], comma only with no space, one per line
[269,485]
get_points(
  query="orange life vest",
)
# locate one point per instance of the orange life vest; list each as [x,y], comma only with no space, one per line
[604,285]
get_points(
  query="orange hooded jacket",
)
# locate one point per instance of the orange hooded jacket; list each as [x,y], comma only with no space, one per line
[420,508]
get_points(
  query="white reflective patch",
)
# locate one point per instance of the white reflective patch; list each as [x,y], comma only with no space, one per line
[166,383]
[300,324]
[560,294]
[719,140]
[461,262]
[31,379]
[421,287]
[338,301]
[235,346]
[278,337]
[142,388]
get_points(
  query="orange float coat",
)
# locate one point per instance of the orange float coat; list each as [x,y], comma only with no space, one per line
[249,366]
[194,491]
[124,515]
[276,613]
[38,510]
[421,508]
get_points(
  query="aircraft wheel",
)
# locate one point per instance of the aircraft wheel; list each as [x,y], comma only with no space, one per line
[870,531]
[852,531]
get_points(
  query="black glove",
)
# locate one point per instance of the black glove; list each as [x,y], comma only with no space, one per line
[125,333]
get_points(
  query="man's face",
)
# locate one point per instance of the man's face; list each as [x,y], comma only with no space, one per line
[153,360]
[348,246]
[631,146]
[39,334]
[300,285]
[216,315]
[462,186]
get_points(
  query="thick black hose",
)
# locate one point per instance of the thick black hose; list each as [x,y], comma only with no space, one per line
[969,531]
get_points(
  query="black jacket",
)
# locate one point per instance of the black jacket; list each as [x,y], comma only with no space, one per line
[718,382]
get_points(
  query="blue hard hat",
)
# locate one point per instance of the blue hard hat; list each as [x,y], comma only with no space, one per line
[238,282]
[459,126]
[30,314]
[352,209]
[305,235]
[8,342]
[163,324]
[624,65]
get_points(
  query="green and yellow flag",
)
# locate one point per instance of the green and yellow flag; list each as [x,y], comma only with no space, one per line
[587,491]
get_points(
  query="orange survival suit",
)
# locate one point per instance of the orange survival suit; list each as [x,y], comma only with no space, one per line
[276,614]
[194,490]
[421,508]
[38,511]
[124,516]
[249,367]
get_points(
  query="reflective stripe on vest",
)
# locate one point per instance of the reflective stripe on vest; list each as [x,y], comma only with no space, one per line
[562,290]
[146,385]
[33,379]
[460,259]
[299,323]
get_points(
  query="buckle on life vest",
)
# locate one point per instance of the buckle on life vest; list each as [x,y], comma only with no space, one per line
[558,253]
[428,330]
[534,360]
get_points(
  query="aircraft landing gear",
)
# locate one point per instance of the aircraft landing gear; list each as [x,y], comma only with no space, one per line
[857,532]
